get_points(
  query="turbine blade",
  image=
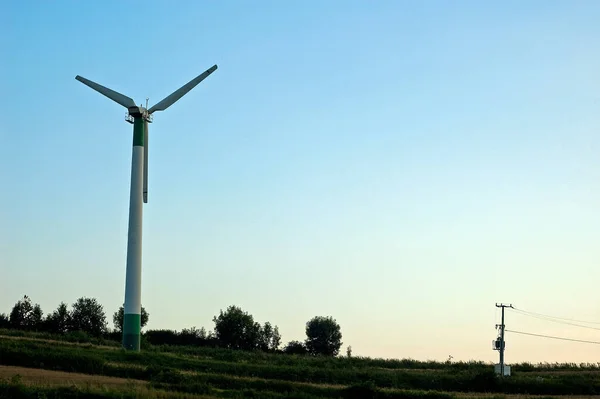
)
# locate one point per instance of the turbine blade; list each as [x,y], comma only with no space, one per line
[113,95]
[177,94]
[145,192]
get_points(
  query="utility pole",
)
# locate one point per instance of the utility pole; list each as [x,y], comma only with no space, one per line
[502,306]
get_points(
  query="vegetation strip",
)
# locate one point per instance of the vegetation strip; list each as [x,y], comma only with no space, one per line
[48,378]
[196,374]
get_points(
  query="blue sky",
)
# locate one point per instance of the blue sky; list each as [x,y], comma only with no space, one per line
[399,165]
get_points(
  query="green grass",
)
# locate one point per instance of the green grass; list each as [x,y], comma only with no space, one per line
[236,374]
[74,337]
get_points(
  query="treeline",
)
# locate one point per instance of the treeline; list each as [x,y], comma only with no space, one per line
[233,328]
[85,315]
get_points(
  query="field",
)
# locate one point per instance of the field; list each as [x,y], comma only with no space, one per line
[49,367]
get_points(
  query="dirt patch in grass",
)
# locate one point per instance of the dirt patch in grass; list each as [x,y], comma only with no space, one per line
[30,376]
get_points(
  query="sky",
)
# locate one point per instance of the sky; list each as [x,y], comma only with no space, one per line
[399,165]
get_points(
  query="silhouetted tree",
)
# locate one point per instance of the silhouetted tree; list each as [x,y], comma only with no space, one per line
[187,336]
[323,336]
[192,336]
[162,337]
[199,333]
[88,316]
[58,321]
[4,321]
[236,329]
[295,348]
[269,338]
[25,315]
[120,314]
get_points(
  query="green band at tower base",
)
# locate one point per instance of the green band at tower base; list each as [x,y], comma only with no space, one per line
[131,331]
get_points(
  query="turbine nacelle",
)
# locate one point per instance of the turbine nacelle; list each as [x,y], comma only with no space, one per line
[137,112]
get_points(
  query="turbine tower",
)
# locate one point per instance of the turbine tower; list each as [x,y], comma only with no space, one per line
[139,117]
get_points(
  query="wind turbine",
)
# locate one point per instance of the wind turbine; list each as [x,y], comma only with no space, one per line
[139,117]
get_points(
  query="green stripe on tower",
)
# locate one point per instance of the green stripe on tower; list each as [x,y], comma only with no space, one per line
[138,131]
[131,331]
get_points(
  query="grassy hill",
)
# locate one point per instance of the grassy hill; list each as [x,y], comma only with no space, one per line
[44,367]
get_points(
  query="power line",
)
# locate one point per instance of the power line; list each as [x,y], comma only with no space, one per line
[555,317]
[547,318]
[550,336]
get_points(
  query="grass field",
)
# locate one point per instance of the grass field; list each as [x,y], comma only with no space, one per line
[48,367]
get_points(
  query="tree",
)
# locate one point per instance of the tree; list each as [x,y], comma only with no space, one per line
[236,329]
[4,321]
[88,316]
[120,314]
[295,348]
[192,336]
[25,315]
[58,321]
[275,340]
[323,336]
[162,337]
[269,338]
[199,333]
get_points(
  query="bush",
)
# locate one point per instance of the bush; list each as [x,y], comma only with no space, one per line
[165,375]
[295,348]
[365,390]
